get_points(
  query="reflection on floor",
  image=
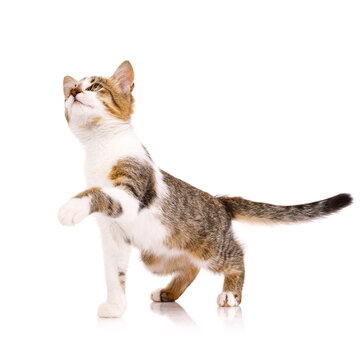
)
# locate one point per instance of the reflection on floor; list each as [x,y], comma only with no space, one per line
[174,312]
[231,316]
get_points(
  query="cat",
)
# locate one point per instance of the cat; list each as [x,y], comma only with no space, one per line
[177,227]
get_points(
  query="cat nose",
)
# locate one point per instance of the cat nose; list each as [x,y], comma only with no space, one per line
[75,91]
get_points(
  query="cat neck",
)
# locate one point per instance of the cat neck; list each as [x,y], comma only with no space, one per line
[106,149]
[104,139]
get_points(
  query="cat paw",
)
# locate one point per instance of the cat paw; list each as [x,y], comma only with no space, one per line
[227,299]
[111,310]
[161,295]
[156,295]
[74,211]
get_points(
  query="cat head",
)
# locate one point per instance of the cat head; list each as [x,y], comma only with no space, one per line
[96,102]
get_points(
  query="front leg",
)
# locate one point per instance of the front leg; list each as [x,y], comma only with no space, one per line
[111,202]
[116,257]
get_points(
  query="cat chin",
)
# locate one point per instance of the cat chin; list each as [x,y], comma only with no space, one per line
[82,113]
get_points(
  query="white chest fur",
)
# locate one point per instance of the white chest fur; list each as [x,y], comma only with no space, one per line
[102,154]
[145,230]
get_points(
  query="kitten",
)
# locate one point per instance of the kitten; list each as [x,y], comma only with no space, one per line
[177,227]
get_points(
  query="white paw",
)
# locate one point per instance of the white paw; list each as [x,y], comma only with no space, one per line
[155,295]
[74,211]
[227,299]
[111,310]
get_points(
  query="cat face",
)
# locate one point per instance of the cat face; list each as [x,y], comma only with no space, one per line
[95,101]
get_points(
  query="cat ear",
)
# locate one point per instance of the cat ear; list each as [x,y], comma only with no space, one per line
[124,77]
[69,83]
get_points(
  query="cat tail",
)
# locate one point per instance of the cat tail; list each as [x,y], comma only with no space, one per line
[245,210]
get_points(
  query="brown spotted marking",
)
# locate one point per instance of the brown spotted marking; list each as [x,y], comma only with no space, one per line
[101,202]
[122,277]
[135,177]
[96,121]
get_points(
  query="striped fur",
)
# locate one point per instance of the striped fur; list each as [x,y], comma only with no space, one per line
[101,202]
[245,210]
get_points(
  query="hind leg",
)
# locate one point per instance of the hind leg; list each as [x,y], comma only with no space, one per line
[184,274]
[230,262]
[232,289]
[177,285]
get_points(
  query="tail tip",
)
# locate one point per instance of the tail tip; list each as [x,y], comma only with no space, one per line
[338,202]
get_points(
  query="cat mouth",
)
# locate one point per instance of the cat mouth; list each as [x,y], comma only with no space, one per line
[76,101]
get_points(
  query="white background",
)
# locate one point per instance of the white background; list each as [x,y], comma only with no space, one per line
[251,98]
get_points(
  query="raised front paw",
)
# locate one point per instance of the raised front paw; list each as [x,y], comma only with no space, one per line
[111,310]
[74,211]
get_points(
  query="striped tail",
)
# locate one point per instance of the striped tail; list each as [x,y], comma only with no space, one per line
[245,210]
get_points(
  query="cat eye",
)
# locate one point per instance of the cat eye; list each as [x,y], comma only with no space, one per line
[94,87]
